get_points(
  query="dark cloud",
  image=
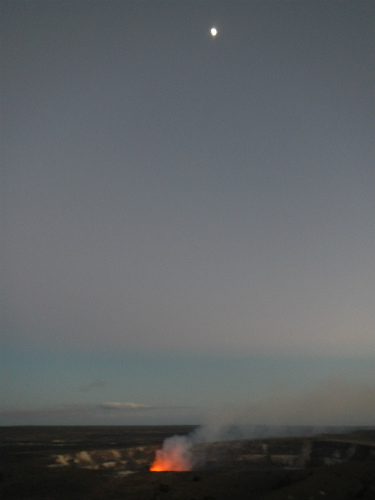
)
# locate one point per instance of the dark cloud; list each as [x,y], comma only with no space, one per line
[83,413]
[75,409]
[96,384]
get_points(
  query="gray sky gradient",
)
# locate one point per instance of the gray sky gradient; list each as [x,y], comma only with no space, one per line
[167,194]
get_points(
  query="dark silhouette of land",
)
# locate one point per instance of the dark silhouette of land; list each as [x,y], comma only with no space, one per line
[82,463]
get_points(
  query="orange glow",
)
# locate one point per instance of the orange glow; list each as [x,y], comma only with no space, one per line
[173,457]
[165,464]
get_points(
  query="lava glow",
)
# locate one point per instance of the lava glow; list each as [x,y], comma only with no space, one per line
[175,456]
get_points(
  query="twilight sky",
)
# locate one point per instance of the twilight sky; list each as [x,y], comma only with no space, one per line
[188,221]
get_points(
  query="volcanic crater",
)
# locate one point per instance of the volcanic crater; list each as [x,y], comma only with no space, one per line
[101,463]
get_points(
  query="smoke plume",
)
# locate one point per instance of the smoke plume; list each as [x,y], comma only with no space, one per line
[174,456]
[330,407]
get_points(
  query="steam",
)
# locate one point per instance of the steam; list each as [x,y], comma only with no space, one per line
[177,451]
[330,407]
[174,456]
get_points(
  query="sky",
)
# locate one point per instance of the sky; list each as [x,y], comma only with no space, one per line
[188,221]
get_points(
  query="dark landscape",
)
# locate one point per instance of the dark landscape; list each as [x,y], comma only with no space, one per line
[113,463]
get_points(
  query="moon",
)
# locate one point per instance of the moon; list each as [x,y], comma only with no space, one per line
[213,31]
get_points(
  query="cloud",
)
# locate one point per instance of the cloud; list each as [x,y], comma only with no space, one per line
[116,412]
[48,411]
[331,402]
[95,384]
[67,412]
[125,406]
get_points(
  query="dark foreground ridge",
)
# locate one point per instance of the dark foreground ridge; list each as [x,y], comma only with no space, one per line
[83,463]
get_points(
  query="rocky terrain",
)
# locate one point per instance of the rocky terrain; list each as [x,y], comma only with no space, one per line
[102,462]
